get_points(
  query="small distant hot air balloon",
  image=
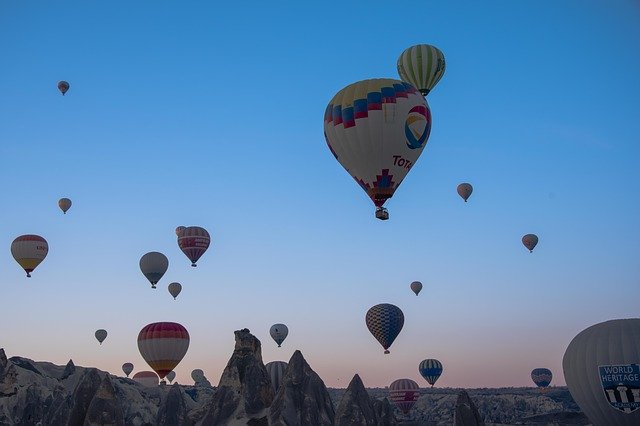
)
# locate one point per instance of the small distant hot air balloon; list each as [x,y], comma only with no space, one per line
[171,375]
[180,230]
[197,375]
[29,251]
[422,66]
[163,345]
[385,321]
[465,190]
[127,368]
[530,241]
[63,86]
[153,265]
[377,129]
[541,377]
[175,289]
[602,369]
[416,287]
[64,204]
[278,333]
[276,370]
[101,335]
[404,393]
[146,378]
[430,369]
[194,241]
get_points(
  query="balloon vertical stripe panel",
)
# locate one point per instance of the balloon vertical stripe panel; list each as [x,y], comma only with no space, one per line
[377,129]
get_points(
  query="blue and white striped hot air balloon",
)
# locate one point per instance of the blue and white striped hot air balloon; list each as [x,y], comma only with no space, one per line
[430,369]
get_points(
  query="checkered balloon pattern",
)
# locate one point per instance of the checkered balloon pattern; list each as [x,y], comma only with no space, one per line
[385,321]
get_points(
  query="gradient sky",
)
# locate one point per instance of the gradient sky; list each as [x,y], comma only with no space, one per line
[191,113]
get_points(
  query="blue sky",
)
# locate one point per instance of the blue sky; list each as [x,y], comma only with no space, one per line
[198,114]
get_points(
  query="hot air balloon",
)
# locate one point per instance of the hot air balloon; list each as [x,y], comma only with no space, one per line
[29,251]
[385,321]
[171,375]
[422,66]
[180,230]
[64,204]
[416,287]
[276,370]
[430,369]
[541,377]
[101,335]
[127,368]
[465,190]
[404,393]
[377,129]
[63,86]
[153,265]
[278,333]
[194,241]
[163,345]
[197,375]
[175,289]
[146,378]
[602,369]
[530,241]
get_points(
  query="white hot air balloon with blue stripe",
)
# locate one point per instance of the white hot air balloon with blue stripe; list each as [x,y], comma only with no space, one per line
[430,369]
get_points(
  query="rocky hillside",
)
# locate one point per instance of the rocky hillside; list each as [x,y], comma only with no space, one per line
[41,393]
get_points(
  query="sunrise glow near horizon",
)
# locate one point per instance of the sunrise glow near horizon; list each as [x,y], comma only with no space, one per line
[198,114]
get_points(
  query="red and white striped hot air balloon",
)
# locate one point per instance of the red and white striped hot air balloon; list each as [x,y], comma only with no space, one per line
[146,378]
[163,345]
[29,251]
[404,393]
[194,241]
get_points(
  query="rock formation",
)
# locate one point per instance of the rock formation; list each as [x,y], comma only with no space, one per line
[466,413]
[302,398]
[173,409]
[104,408]
[356,407]
[384,412]
[244,391]
[69,370]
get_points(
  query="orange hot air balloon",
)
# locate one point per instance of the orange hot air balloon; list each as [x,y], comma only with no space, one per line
[163,345]
[530,241]
[63,86]
[29,251]
[465,190]
[194,241]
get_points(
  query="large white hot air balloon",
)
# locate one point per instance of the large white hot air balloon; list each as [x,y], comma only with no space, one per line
[377,129]
[153,265]
[29,251]
[602,369]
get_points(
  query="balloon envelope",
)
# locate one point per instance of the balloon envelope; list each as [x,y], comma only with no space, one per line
[101,335]
[541,377]
[194,241]
[530,241]
[385,321]
[465,190]
[146,378]
[171,375]
[278,333]
[29,251]
[602,369]
[416,287]
[422,66]
[276,370]
[404,393]
[175,289]
[64,204]
[127,368]
[377,129]
[430,369]
[197,375]
[163,345]
[63,86]
[153,265]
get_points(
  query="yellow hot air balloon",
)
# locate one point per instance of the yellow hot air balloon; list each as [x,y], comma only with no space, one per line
[422,66]
[377,129]
[29,251]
